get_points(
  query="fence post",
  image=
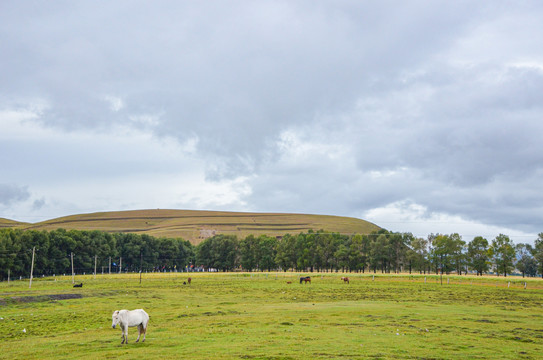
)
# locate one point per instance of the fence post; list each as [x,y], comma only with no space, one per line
[32,267]
[141,264]
[73,275]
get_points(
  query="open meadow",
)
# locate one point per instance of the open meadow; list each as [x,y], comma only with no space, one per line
[262,316]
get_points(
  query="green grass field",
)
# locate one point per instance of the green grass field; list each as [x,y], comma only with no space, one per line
[261,316]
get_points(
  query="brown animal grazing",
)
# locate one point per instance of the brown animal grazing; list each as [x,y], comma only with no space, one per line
[189,280]
[305,280]
[289,282]
[79,285]
[345,279]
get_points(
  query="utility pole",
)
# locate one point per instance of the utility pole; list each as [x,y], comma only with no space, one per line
[120,264]
[73,275]
[95,258]
[9,270]
[110,265]
[32,267]
[141,264]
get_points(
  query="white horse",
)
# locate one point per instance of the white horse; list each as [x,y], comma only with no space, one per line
[131,318]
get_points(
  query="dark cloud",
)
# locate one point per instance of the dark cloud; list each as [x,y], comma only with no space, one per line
[10,194]
[38,204]
[233,75]
[313,106]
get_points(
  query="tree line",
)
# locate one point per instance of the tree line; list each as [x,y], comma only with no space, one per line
[89,248]
[381,251]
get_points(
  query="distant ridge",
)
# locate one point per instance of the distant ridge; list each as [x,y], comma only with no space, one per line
[197,225]
[6,223]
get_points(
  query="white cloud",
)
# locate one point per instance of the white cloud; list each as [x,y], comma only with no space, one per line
[421,222]
[121,168]
[115,103]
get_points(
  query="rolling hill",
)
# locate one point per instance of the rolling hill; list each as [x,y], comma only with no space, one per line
[197,225]
[6,223]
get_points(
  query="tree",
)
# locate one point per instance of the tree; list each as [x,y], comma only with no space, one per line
[457,252]
[342,256]
[305,252]
[266,252]
[168,253]
[538,252]
[326,246]
[358,252]
[224,252]
[8,252]
[285,257]
[379,251]
[478,257]
[443,249]
[203,253]
[503,253]
[247,249]
[525,260]
[530,267]
[397,245]
[419,254]
[433,257]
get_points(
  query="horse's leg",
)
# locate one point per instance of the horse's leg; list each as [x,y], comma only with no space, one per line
[144,331]
[125,334]
[140,327]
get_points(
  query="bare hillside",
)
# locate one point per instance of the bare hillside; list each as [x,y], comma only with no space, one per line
[6,223]
[195,226]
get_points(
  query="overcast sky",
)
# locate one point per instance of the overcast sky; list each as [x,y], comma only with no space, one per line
[419,116]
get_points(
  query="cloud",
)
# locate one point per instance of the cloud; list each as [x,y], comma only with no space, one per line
[10,194]
[422,223]
[346,108]
[38,204]
[115,103]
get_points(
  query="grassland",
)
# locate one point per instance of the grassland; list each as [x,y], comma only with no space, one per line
[195,226]
[261,316]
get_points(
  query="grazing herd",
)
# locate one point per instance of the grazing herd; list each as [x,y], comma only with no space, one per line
[139,318]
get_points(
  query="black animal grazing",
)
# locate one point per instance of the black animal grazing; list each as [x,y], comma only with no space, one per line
[305,279]
[79,285]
